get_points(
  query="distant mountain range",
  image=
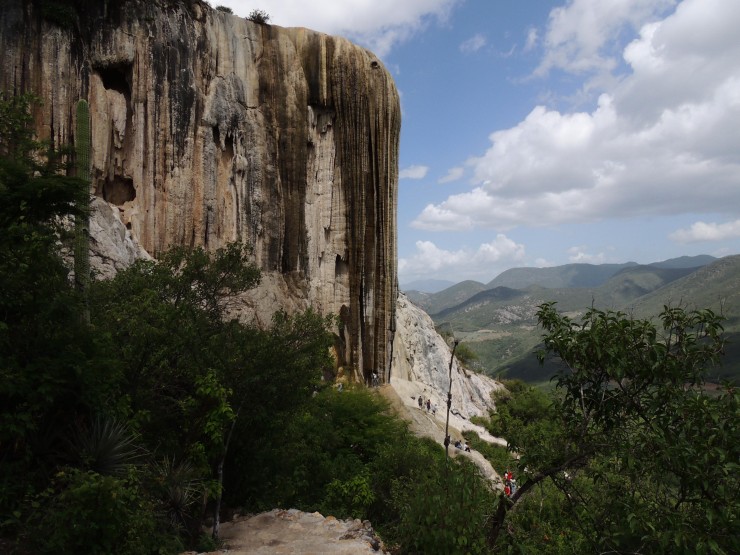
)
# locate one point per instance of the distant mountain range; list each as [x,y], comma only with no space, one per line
[498,322]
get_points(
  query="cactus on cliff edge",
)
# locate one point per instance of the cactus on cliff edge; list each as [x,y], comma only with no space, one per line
[82,221]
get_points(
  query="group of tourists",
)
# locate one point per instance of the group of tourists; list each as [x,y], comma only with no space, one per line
[509,483]
[428,404]
[462,445]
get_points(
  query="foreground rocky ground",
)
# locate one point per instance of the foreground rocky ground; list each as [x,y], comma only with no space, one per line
[279,532]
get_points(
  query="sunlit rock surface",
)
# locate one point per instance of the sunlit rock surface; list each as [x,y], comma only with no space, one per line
[208,128]
[421,367]
[279,532]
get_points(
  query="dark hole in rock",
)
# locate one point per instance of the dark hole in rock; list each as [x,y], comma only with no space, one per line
[341,268]
[114,77]
[119,190]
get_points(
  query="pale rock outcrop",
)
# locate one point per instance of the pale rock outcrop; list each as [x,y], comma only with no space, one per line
[207,128]
[280,532]
[112,247]
[421,367]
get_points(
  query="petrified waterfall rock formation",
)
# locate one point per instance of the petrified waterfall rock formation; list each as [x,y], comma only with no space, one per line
[207,128]
[421,366]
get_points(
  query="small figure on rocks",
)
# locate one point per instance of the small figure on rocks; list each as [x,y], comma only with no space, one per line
[421,402]
[429,405]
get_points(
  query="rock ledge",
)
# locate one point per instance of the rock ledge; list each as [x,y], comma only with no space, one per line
[291,531]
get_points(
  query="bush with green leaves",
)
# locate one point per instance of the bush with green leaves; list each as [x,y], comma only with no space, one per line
[445,511]
[639,456]
[259,16]
[53,371]
[225,9]
[346,454]
[87,512]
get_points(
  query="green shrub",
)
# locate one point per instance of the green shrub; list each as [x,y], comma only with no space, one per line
[350,497]
[259,16]
[85,512]
[224,9]
[445,511]
[499,457]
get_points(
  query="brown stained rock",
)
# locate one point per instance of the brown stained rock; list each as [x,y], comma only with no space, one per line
[208,128]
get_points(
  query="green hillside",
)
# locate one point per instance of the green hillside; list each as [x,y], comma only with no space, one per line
[499,324]
[569,275]
[458,293]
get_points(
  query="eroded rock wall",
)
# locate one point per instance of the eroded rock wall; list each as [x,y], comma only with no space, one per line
[208,128]
[421,367]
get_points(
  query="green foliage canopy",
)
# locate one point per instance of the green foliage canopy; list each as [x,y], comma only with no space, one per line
[641,458]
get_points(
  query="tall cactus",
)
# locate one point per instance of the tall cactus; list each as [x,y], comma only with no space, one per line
[82,221]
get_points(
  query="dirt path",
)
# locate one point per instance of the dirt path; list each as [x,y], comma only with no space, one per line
[425,424]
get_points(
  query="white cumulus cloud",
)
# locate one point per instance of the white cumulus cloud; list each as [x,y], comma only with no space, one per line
[413,172]
[701,231]
[487,261]
[453,174]
[578,35]
[377,24]
[663,141]
[579,254]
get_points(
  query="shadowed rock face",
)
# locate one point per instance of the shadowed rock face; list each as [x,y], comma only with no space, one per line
[208,128]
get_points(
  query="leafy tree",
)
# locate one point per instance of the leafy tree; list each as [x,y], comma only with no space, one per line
[446,510]
[52,370]
[645,459]
[166,319]
[87,512]
[197,384]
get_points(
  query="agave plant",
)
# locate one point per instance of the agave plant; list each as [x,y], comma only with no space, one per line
[179,487]
[106,446]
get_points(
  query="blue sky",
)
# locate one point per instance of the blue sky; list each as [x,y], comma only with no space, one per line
[544,132]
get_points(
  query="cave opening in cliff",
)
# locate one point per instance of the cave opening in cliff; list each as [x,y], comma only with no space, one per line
[119,190]
[116,77]
[341,268]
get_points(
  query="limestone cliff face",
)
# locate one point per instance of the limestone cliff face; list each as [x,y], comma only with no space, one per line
[208,128]
[421,367]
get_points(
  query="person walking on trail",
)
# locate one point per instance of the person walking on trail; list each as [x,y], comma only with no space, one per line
[421,402]
[429,405]
[375,379]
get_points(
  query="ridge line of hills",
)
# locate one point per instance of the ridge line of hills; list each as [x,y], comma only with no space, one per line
[498,319]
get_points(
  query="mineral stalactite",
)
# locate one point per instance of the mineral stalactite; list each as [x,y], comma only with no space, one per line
[208,128]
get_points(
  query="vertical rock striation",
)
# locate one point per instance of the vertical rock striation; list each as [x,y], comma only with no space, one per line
[207,128]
